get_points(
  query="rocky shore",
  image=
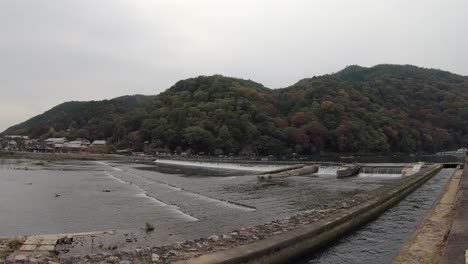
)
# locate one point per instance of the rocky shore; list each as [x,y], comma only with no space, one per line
[192,248]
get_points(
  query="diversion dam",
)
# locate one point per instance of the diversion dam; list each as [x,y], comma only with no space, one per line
[194,202]
[310,237]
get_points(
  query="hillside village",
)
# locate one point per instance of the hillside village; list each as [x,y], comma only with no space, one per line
[24,143]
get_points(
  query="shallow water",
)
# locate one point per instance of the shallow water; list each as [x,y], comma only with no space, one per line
[222,165]
[379,241]
[68,197]
[190,201]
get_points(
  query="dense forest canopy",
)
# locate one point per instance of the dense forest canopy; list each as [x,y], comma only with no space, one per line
[385,108]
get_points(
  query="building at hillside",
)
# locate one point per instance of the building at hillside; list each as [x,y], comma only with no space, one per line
[98,146]
[55,141]
[63,145]
[14,142]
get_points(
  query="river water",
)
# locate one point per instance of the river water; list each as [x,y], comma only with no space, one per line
[186,202]
[379,241]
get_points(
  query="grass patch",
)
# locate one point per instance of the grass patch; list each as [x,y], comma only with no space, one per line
[12,245]
[149,227]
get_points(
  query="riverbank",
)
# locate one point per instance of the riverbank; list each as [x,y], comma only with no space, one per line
[63,156]
[290,160]
[191,248]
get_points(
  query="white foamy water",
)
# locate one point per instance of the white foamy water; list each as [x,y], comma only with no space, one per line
[102,163]
[379,175]
[173,207]
[221,202]
[156,201]
[143,194]
[115,178]
[194,195]
[327,170]
[381,172]
[229,178]
[173,187]
[106,164]
[224,166]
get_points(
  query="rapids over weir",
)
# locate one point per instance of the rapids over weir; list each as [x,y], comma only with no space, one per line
[366,171]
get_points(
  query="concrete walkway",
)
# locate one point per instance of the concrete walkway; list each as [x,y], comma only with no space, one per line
[43,244]
[457,242]
[48,242]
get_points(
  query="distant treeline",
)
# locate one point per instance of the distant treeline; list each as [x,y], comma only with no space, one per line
[385,108]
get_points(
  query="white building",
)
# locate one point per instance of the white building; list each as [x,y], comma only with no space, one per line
[55,140]
[97,143]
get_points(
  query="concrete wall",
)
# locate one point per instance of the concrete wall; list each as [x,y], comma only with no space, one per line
[306,239]
[427,242]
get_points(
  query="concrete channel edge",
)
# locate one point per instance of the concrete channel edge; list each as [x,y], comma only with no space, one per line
[426,243]
[304,240]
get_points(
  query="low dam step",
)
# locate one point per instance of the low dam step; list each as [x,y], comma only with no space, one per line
[343,171]
[283,169]
[292,171]
[311,237]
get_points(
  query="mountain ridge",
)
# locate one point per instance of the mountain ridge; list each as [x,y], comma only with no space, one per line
[384,108]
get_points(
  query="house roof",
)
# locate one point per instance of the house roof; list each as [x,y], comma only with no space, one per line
[55,140]
[99,142]
[16,136]
[75,142]
[72,145]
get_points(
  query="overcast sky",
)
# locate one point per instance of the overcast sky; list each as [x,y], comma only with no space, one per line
[52,51]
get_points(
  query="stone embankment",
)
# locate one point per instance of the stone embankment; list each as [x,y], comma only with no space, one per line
[193,248]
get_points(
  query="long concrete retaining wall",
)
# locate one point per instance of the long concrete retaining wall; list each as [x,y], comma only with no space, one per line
[428,240]
[306,239]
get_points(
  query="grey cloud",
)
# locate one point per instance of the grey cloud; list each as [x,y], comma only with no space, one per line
[58,50]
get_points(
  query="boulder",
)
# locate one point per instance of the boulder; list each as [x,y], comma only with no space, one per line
[214,238]
[348,171]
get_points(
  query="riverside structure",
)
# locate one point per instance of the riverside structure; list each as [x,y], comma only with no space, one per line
[254,232]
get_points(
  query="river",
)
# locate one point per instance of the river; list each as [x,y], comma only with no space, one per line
[75,196]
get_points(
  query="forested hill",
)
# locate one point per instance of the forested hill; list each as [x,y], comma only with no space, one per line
[385,108]
[93,119]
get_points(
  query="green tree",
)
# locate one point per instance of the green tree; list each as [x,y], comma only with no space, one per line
[82,133]
[199,139]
